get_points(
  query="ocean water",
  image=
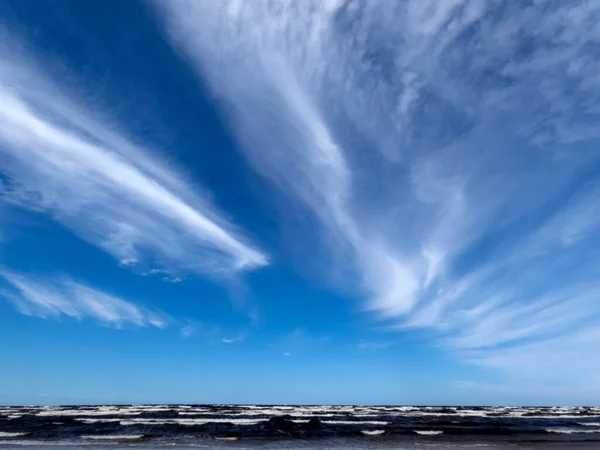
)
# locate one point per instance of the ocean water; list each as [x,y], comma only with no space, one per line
[298,427]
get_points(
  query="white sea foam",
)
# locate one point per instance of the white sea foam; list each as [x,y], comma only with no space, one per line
[589,424]
[90,421]
[428,432]
[457,414]
[143,410]
[355,422]
[113,436]
[273,412]
[553,416]
[189,421]
[372,432]
[36,443]
[260,412]
[89,412]
[571,430]
[238,421]
[6,434]
[155,408]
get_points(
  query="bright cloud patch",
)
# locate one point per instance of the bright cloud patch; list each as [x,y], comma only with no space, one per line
[434,142]
[57,158]
[65,297]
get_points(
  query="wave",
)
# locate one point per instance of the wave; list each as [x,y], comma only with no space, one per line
[190,422]
[107,424]
[354,422]
[113,436]
[92,421]
[372,432]
[233,420]
[571,430]
[100,412]
[35,444]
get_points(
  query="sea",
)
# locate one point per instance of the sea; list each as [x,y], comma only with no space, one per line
[297,427]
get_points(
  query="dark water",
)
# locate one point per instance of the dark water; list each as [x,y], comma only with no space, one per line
[298,427]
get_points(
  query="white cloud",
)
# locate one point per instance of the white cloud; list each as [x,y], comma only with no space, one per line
[66,297]
[309,69]
[58,158]
[172,279]
[306,161]
[231,340]
[440,145]
[188,330]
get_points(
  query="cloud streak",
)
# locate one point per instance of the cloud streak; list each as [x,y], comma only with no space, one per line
[66,297]
[60,159]
[307,160]
[446,150]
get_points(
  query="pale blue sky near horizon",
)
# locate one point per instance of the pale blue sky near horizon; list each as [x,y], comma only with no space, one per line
[299,202]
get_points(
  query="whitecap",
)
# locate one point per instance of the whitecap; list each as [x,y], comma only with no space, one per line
[372,432]
[89,412]
[90,421]
[114,436]
[570,430]
[189,421]
[355,422]
[428,432]
[6,434]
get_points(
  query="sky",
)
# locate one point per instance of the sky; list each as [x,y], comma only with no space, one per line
[299,202]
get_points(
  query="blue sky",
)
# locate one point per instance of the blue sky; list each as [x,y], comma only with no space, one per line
[281,201]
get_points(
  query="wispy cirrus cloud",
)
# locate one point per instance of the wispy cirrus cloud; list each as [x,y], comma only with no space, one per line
[307,161]
[236,338]
[59,158]
[65,297]
[448,150]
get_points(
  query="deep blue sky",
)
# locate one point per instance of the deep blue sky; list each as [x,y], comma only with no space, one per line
[299,202]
